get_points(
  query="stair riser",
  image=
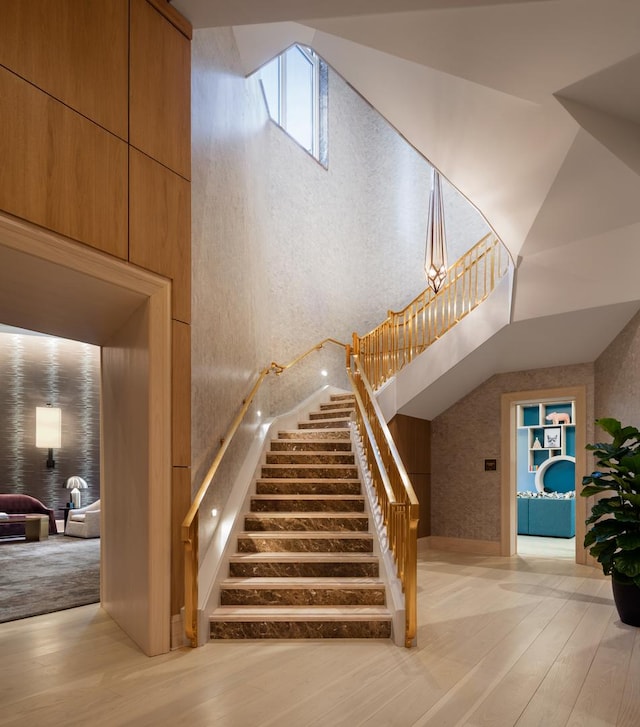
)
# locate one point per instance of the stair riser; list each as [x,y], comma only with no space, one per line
[302,630]
[324,524]
[293,458]
[325,445]
[301,472]
[328,424]
[302,597]
[304,570]
[300,487]
[333,414]
[342,434]
[305,545]
[355,505]
[338,406]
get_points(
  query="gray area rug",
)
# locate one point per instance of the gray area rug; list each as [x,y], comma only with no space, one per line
[49,575]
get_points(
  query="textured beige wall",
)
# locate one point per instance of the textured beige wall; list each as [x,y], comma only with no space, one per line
[616,375]
[286,252]
[466,499]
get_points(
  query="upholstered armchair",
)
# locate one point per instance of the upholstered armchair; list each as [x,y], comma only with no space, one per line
[84,522]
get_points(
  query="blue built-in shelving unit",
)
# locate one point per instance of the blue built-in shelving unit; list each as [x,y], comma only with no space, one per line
[546,450]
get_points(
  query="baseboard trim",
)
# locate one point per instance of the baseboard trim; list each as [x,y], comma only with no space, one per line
[462,545]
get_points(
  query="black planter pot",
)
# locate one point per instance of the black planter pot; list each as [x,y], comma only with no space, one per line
[627,599]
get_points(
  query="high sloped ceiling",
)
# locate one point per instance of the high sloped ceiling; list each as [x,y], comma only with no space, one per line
[530,108]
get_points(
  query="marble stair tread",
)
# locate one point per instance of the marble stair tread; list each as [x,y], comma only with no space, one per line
[326,433]
[300,613]
[332,405]
[306,535]
[302,582]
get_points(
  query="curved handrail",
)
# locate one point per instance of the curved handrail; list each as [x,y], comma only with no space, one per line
[405,334]
[396,497]
[189,528]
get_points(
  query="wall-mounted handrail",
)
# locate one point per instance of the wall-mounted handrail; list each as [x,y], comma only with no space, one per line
[394,491]
[405,334]
[190,523]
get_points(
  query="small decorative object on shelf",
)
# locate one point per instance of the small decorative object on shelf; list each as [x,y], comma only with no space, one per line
[556,417]
[536,444]
[552,438]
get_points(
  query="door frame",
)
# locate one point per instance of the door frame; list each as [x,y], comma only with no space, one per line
[54,285]
[508,503]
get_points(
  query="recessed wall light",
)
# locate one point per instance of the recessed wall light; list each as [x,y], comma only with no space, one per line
[324,372]
[214,512]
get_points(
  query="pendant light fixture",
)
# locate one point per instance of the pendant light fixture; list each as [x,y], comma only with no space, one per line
[435,261]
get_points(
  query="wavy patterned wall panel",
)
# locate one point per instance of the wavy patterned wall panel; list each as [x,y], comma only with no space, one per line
[36,371]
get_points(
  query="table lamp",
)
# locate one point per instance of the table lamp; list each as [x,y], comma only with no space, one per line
[75,484]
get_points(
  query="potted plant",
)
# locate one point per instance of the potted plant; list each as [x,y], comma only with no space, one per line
[613,529]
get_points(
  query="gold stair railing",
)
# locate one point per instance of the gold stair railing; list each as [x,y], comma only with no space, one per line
[191,520]
[397,500]
[396,497]
[407,333]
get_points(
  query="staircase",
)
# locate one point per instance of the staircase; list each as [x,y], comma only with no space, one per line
[304,566]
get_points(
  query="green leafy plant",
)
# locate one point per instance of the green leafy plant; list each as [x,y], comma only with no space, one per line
[613,530]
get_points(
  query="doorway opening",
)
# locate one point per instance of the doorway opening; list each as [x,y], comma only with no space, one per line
[41,374]
[543,443]
[54,285]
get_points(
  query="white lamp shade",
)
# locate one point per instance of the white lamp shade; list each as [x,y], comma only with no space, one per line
[48,427]
[76,483]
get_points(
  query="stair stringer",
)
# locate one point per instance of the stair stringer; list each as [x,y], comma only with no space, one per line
[214,564]
[388,570]
[433,381]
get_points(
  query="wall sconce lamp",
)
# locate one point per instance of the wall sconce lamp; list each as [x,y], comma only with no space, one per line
[49,430]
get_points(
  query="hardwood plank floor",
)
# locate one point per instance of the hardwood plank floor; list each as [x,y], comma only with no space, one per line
[528,640]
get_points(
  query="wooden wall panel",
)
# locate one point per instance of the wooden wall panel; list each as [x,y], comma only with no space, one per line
[422,486]
[181,394]
[413,440]
[60,170]
[160,91]
[159,226]
[74,50]
[180,503]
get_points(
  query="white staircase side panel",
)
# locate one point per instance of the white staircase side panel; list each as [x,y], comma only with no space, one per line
[407,392]
[388,568]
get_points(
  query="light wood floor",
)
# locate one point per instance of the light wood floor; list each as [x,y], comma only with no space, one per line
[521,641]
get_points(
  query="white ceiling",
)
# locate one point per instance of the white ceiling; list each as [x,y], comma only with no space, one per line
[531,108]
